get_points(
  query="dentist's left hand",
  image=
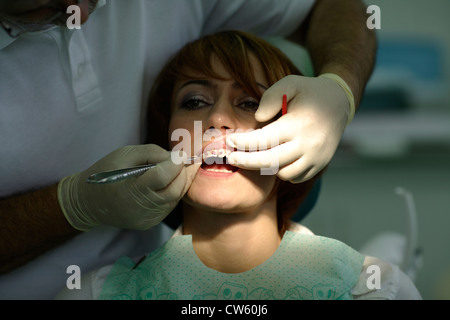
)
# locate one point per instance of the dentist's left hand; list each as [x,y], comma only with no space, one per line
[305,139]
[136,203]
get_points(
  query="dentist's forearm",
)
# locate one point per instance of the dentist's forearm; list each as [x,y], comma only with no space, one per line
[31,224]
[339,42]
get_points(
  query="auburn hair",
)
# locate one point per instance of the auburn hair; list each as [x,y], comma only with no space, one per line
[232,48]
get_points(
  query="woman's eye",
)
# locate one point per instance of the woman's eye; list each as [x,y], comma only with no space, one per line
[194,103]
[250,105]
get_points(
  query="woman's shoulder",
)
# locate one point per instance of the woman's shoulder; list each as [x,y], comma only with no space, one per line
[381,280]
[298,228]
[93,281]
[378,279]
[90,286]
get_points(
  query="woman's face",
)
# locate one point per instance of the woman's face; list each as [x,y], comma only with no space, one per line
[221,106]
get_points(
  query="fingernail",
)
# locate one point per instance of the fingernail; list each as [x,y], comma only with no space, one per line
[230,143]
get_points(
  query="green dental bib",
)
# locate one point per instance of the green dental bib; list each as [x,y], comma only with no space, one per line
[303,267]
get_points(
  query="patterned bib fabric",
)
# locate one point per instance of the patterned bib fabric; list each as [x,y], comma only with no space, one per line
[304,267]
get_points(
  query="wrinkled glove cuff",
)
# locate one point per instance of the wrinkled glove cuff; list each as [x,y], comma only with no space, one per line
[348,93]
[65,203]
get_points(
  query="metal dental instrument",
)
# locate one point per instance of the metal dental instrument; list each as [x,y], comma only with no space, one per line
[125,173]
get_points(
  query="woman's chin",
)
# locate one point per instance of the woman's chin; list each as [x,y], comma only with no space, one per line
[214,204]
[236,193]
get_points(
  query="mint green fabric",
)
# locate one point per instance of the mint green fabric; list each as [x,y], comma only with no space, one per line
[303,267]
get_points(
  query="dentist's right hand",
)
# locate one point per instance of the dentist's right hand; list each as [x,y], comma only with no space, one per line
[136,203]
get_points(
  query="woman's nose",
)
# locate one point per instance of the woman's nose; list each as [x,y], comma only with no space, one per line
[221,116]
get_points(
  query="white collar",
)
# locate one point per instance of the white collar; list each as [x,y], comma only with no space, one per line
[294,227]
[6,40]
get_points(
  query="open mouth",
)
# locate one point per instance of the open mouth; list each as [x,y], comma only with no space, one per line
[215,161]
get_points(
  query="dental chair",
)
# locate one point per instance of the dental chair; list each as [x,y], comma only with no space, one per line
[399,249]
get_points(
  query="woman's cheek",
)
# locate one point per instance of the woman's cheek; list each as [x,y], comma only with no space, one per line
[179,134]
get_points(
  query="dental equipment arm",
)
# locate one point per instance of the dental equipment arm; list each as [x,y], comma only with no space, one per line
[342,50]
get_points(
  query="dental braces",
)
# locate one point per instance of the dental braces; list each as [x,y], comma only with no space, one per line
[216,156]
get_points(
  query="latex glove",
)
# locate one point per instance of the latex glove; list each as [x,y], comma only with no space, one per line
[135,203]
[305,139]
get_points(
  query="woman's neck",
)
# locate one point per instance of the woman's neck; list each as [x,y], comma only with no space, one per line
[233,242]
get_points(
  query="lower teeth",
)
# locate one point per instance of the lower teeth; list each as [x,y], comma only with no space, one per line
[217,170]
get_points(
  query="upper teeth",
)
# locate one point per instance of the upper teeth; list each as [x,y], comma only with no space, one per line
[219,153]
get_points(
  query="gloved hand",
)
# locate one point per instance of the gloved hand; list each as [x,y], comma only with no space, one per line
[135,203]
[319,110]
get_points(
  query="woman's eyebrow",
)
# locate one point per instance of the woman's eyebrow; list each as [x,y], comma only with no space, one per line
[237,85]
[205,83]
[212,85]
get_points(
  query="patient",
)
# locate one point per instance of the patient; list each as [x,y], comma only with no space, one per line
[235,239]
